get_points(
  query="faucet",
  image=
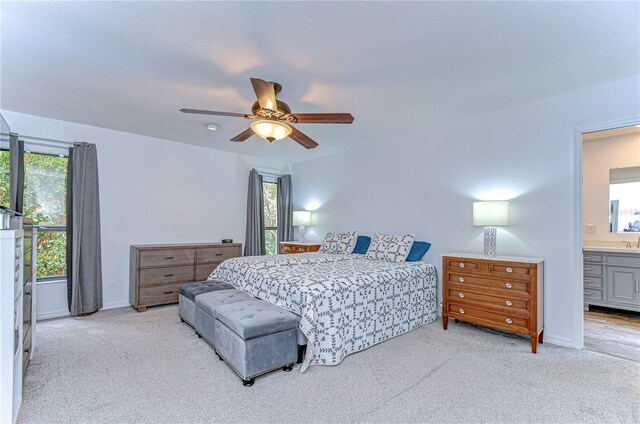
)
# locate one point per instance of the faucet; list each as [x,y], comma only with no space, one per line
[627,244]
[638,244]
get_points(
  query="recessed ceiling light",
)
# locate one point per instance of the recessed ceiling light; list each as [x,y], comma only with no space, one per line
[213,127]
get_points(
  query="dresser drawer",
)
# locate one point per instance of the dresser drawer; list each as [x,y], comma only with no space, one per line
[203,271]
[492,319]
[593,294]
[216,254]
[512,271]
[159,276]
[159,295]
[499,303]
[592,257]
[508,285]
[592,282]
[591,269]
[168,257]
[463,264]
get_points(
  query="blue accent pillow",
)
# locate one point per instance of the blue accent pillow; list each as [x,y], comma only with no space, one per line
[362,244]
[418,249]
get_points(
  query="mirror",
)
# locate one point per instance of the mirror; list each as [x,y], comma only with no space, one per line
[624,200]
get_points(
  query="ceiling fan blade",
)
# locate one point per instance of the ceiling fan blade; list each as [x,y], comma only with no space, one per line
[213,112]
[243,135]
[266,94]
[323,118]
[302,139]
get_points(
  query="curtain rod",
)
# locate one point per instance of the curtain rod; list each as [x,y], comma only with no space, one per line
[50,140]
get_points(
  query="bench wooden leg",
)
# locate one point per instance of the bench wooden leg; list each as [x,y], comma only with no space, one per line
[541,337]
[445,321]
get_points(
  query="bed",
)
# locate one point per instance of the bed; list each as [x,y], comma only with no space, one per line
[347,303]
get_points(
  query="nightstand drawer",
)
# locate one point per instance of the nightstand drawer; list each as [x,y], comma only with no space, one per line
[478,316]
[510,271]
[516,286]
[463,264]
[502,302]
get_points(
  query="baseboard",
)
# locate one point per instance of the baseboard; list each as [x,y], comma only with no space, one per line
[556,340]
[113,305]
[53,314]
[65,313]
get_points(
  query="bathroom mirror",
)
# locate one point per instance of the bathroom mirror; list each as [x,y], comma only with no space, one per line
[624,200]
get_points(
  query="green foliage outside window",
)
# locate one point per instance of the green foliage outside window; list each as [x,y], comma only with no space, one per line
[270,194]
[45,203]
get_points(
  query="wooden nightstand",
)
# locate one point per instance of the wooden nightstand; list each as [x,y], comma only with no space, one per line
[287,247]
[504,292]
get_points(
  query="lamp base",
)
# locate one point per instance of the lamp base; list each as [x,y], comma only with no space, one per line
[490,241]
[301,233]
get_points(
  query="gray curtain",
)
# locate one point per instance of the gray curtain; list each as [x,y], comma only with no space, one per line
[84,265]
[285,209]
[16,173]
[254,239]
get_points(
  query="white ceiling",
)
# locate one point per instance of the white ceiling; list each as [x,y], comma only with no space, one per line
[130,66]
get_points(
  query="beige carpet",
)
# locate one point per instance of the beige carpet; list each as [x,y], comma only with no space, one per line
[120,366]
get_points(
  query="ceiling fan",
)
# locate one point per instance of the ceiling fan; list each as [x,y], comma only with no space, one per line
[273,118]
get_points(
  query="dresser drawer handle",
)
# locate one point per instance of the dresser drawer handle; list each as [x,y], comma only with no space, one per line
[168,257]
[219,254]
[461,311]
[588,293]
[509,321]
[168,275]
[461,295]
[168,292]
[508,285]
[509,303]
[461,265]
[587,269]
[461,279]
[509,270]
[588,281]
[588,257]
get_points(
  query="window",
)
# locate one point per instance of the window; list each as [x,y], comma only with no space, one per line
[270,207]
[44,202]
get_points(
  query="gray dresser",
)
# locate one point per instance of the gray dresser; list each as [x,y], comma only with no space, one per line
[157,271]
[612,279]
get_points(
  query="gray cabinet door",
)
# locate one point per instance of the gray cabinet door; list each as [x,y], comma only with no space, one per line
[623,285]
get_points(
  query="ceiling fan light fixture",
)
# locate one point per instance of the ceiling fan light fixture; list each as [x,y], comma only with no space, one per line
[270,130]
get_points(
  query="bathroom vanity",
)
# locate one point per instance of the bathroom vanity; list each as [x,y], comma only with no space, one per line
[612,277]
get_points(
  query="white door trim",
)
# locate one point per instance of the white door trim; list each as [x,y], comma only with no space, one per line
[576,236]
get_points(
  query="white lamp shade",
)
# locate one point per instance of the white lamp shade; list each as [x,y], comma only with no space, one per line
[490,214]
[301,218]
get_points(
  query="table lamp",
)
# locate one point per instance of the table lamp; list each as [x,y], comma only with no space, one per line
[489,215]
[301,218]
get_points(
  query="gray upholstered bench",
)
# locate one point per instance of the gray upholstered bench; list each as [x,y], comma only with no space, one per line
[187,297]
[206,309]
[255,337]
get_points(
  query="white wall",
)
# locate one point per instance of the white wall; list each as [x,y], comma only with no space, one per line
[425,180]
[151,191]
[598,157]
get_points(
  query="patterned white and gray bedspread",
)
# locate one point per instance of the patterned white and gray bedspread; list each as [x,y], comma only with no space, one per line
[347,302]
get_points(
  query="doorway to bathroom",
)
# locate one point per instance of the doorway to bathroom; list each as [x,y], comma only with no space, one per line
[611,241]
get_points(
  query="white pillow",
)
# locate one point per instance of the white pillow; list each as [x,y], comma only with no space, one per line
[390,248]
[340,243]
